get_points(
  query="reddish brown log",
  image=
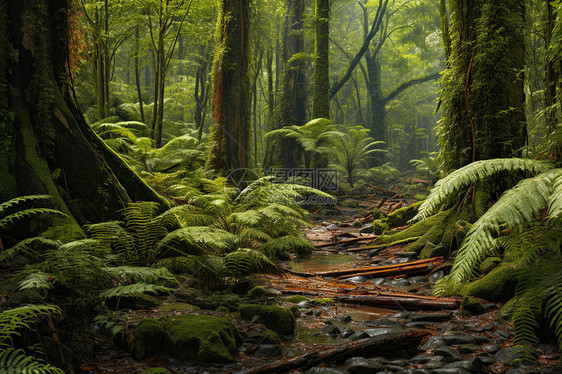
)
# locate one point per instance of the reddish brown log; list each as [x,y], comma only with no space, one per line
[347,241]
[365,348]
[360,271]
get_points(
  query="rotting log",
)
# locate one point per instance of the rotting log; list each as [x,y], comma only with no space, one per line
[397,301]
[371,269]
[379,247]
[368,347]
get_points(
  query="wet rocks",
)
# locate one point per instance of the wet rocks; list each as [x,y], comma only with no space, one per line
[361,365]
[430,317]
[448,354]
[331,330]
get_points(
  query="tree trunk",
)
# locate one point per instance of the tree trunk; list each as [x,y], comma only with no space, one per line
[231,149]
[137,73]
[48,147]
[291,105]
[321,87]
[483,97]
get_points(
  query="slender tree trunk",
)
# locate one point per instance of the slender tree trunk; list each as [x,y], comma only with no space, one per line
[43,132]
[551,72]
[291,105]
[231,148]
[321,87]
[137,73]
[270,87]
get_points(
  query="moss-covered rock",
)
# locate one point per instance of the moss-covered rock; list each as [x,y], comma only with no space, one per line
[203,338]
[135,301]
[261,291]
[149,338]
[498,285]
[158,370]
[400,217]
[179,307]
[471,306]
[274,317]
[216,300]
[377,213]
[380,227]
[489,264]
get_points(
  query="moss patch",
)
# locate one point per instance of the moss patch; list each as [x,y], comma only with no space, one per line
[498,285]
[216,300]
[274,317]
[400,217]
[178,307]
[203,338]
[136,301]
[380,227]
[323,301]
[150,337]
[471,306]
[295,299]
[489,264]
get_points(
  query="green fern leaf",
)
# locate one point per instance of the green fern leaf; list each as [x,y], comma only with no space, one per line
[16,361]
[479,171]
[135,288]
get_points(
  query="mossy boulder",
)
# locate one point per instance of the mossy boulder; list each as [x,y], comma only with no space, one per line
[216,300]
[274,317]
[400,217]
[179,307]
[149,338]
[203,338]
[377,213]
[489,264]
[135,302]
[497,286]
[380,226]
[471,306]
[262,291]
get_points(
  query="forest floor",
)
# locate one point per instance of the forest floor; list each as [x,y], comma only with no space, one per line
[395,304]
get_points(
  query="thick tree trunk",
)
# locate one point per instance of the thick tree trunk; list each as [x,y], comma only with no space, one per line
[231,148]
[321,87]
[137,74]
[483,100]
[48,147]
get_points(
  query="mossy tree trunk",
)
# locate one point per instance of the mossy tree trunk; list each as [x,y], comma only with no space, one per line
[46,145]
[100,60]
[483,99]
[291,105]
[231,148]
[321,86]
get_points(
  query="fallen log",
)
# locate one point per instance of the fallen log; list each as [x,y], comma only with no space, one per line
[402,270]
[395,301]
[360,238]
[360,271]
[368,347]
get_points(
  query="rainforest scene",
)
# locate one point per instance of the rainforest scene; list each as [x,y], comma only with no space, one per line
[280,186]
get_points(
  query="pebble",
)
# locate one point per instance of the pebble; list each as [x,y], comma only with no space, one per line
[358,335]
[422,358]
[474,365]
[331,330]
[346,318]
[435,277]
[268,350]
[468,348]
[444,370]
[506,355]
[318,370]
[403,282]
[356,279]
[364,366]
[430,317]
[347,333]
[418,279]
[408,255]
[393,368]
[379,281]
[435,363]
[448,353]
[384,322]
[432,343]
[455,338]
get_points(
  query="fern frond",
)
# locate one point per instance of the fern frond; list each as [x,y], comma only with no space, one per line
[514,208]
[141,274]
[6,206]
[30,247]
[38,281]
[16,361]
[201,237]
[28,213]
[14,319]
[247,261]
[553,305]
[135,288]
[478,171]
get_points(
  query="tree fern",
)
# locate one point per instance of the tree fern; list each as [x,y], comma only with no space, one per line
[450,186]
[16,361]
[247,261]
[131,274]
[515,207]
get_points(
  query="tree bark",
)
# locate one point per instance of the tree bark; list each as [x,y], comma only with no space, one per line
[483,98]
[321,86]
[51,149]
[231,149]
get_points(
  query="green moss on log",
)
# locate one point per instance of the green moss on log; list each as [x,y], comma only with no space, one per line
[497,286]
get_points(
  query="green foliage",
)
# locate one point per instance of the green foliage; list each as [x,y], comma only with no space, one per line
[280,247]
[451,186]
[352,149]
[429,166]
[247,261]
[16,361]
[13,320]
[131,274]
[135,288]
[17,209]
